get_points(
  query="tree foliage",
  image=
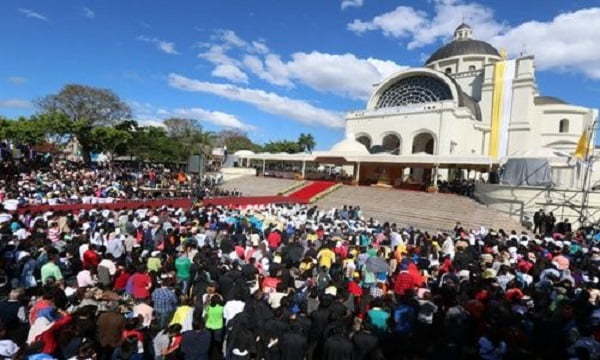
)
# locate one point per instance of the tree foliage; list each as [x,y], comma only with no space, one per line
[86,108]
[236,140]
[306,142]
[102,122]
[190,134]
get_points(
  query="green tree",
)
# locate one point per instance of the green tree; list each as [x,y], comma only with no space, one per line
[287,146]
[306,142]
[24,131]
[190,133]
[236,140]
[152,143]
[108,139]
[85,107]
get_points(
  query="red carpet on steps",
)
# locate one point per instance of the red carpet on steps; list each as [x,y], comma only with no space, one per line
[309,191]
[301,196]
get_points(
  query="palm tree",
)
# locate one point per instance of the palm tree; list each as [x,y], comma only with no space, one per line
[306,142]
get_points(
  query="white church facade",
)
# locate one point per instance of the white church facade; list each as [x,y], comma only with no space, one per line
[468,100]
[468,108]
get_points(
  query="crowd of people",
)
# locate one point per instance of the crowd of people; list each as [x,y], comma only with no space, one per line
[63,182]
[290,282]
[464,187]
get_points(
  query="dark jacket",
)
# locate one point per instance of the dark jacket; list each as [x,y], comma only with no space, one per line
[337,347]
[195,344]
[293,346]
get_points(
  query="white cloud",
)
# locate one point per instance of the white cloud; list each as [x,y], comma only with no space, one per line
[230,72]
[164,46]
[268,102]
[32,14]
[149,115]
[17,80]
[421,29]
[344,74]
[88,13]
[230,37]
[15,104]
[218,118]
[567,42]
[260,47]
[225,66]
[352,3]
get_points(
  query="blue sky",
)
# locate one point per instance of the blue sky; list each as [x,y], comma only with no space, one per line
[273,68]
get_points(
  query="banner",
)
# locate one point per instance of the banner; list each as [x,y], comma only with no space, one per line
[504,73]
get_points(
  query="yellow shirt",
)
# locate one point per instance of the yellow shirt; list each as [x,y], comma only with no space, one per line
[326,257]
[180,314]
[305,265]
[153,264]
[312,237]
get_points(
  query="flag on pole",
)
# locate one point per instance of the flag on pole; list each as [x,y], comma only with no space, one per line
[582,146]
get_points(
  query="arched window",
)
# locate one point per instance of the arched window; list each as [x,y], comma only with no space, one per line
[423,142]
[391,144]
[417,89]
[471,67]
[365,140]
[563,126]
[448,70]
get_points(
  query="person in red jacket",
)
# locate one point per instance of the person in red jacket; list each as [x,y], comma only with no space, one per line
[91,258]
[139,284]
[274,240]
[404,281]
[48,337]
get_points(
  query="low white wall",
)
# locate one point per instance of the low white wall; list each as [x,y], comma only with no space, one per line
[521,202]
[234,173]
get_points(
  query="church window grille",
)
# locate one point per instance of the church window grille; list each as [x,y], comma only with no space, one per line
[415,90]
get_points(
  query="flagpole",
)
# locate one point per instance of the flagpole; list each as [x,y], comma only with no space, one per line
[586,175]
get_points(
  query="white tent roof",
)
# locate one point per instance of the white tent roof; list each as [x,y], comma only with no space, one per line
[243,153]
[416,159]
[350,146]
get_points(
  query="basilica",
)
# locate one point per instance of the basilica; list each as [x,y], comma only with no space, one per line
[469,107]
[466,100]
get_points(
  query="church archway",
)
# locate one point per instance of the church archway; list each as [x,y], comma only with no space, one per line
[423,143]
[391,144]
[365,140]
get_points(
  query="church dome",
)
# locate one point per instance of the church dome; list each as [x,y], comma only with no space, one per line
[463,44]
[350,146]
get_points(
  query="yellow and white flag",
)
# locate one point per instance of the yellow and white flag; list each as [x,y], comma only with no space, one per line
[504,73]
[583,145]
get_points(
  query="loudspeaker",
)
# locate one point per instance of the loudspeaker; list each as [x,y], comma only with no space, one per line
[195,164]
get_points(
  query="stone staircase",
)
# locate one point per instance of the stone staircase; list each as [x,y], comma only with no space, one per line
[260,186]
[428,211]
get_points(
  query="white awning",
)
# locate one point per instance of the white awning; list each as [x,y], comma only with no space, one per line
[413,159]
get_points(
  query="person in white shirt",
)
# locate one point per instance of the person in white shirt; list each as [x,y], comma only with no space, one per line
[232,308]
[109,265]
[276,296]
[85,278]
